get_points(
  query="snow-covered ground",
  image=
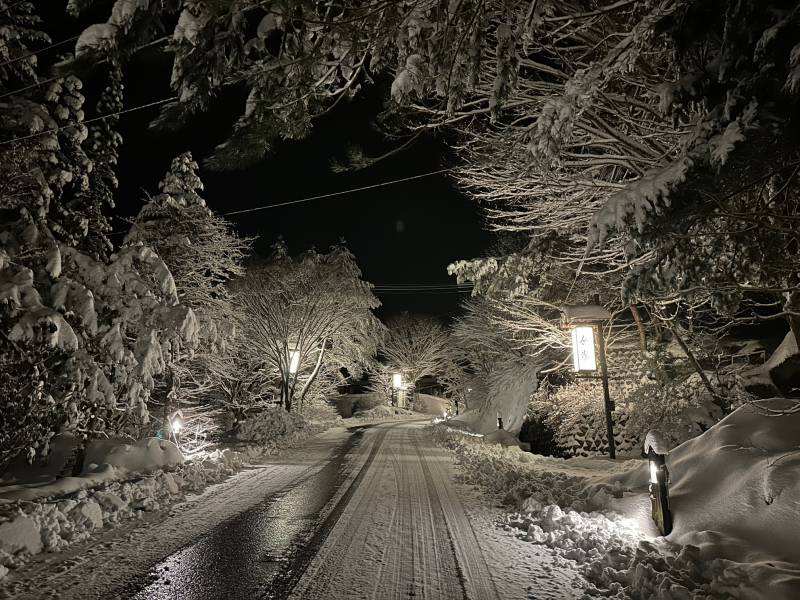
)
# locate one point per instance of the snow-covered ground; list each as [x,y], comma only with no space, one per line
[409,529]
[735,499]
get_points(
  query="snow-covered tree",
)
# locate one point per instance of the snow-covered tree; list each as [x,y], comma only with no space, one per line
[416,346]
[308,317]
[203,254]
[82,336]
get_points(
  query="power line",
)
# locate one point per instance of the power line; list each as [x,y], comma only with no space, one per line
[87,121]
[415,292]
[432,288]
[39,51]
[31,86]
[332,194]
[57,77]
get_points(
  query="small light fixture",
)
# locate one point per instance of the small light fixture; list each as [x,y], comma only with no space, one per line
[176,422]
[294,361]
[655,448]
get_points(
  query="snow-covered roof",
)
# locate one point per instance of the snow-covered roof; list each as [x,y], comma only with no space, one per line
[585,312]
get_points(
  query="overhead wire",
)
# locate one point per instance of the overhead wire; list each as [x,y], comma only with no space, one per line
[87,121]
[39,51]
[332,194]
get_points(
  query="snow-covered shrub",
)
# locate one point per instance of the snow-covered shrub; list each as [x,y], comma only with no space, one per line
[275,428]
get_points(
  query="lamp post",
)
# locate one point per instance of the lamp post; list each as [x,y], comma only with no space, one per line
[586,321]
[397,385]
[656,451]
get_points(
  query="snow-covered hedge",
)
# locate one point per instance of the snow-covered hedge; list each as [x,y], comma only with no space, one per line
[651,390]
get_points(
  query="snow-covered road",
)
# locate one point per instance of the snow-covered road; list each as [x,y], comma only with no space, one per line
[372,513]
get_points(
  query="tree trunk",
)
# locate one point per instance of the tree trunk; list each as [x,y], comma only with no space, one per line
[792,304]
[639,327]
[286,399]
[314,374]
[718,400]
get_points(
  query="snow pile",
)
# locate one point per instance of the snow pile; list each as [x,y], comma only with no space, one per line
[384,413]
[106,461]
[502,437]
[142,456]
[430,405]
[66,518]
[274,429]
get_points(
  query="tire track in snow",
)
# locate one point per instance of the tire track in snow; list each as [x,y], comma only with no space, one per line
[473,572]
[284,584]
[394,540]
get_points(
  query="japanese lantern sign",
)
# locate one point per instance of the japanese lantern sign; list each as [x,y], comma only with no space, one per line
[583,348]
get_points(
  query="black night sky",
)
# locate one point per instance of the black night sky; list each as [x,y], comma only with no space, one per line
[405,233]
[400,234]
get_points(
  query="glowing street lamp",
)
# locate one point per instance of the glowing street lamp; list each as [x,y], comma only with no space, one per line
[585,321]
[176,425]
[656,451]
[397,384]
[397,380]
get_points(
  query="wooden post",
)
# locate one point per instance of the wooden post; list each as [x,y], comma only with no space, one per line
[609,405]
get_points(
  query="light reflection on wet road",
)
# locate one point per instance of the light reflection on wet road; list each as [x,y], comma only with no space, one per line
[253,555]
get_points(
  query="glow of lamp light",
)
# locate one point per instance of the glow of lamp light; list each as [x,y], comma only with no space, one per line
[397,380]
[294,362]
[176,424]
[583,349]
[653,472]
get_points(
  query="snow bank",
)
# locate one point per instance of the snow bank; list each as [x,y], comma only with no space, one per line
[49,516]
[502,437]
[384,413]
[430,405]
[735,497]
[143,456]
[71,515]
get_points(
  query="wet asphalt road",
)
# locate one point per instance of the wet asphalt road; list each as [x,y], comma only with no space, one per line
[261,553]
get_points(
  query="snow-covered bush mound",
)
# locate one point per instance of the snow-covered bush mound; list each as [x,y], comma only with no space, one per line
[384,412]
[142,456]
[348,404]
[502,437]
[430,405]
[275,427]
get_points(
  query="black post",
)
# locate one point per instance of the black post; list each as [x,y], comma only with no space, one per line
[609,405]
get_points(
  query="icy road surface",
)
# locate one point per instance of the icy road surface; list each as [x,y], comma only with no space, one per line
[372,513]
